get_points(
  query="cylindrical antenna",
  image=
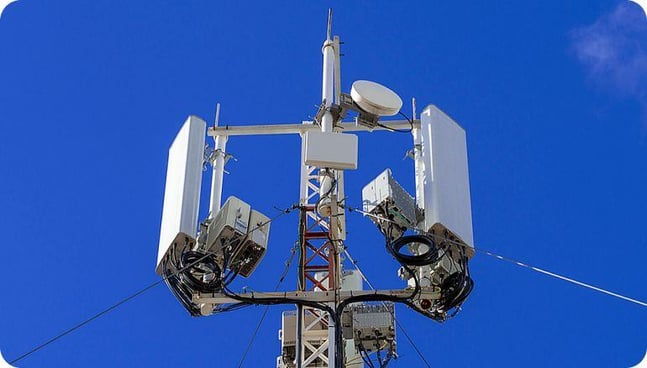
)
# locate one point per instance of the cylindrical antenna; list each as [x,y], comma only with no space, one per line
[217,119]
[218,168]
[329,29]
[413,107]
[327,123]
[417,157]
[337,70]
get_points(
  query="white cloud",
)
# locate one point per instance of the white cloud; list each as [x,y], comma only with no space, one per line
[614,51]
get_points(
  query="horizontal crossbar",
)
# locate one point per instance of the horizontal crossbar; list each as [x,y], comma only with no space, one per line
[273,129]
[309,296]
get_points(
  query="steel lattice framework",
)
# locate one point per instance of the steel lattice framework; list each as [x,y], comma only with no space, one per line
[319,269]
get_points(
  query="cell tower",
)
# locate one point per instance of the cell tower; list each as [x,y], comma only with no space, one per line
[336,323]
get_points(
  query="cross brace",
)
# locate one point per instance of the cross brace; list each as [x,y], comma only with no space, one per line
[310,296]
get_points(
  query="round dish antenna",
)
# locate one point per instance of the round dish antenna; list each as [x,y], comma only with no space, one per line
[374,98]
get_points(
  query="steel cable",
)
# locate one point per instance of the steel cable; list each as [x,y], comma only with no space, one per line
[130,297]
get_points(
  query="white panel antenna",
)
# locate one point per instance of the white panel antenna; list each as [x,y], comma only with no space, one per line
[447,203]
[331,150]
[183,182]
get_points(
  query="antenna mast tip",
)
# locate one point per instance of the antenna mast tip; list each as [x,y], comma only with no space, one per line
[329,29]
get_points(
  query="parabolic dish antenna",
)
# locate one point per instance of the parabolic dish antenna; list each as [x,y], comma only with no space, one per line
[374,98]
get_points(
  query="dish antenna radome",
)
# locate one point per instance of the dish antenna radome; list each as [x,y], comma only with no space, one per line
[374,98]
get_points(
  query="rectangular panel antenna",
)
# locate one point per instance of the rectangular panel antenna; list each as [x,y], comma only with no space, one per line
[183,182]
[447,204]
[331,150]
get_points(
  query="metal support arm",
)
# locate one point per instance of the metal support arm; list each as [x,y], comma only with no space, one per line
[310,296]
[274,129]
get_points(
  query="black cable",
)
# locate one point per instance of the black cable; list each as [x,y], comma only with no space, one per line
[333,185]
[389,356]
[424,259]
[211,265]
[399,325]
[365,356]
[277,301]
[367,298]
[128,298]
[251,341]
[83,323]
[210,275]
[267,308]
[454,290]
[379,351]
[406,261]
[413,344]
[398,130]
[271,300]
[183,283]
[74,328]
[285,300]
[403,260]
[231,307]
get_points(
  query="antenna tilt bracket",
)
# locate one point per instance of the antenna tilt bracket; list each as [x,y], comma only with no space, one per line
[364,118]
[210,155]
[338,113]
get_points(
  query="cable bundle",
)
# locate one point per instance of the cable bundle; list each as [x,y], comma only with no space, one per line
[189,273]
[453,290]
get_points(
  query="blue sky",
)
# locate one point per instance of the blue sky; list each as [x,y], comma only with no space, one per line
[552,95]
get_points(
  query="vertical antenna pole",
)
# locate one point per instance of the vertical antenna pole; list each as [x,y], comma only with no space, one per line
[299,342]
[218,169]
[340,174]
[337,70]
[327,98]
[326,176]
[413,108]
[328,82]
[319,256]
